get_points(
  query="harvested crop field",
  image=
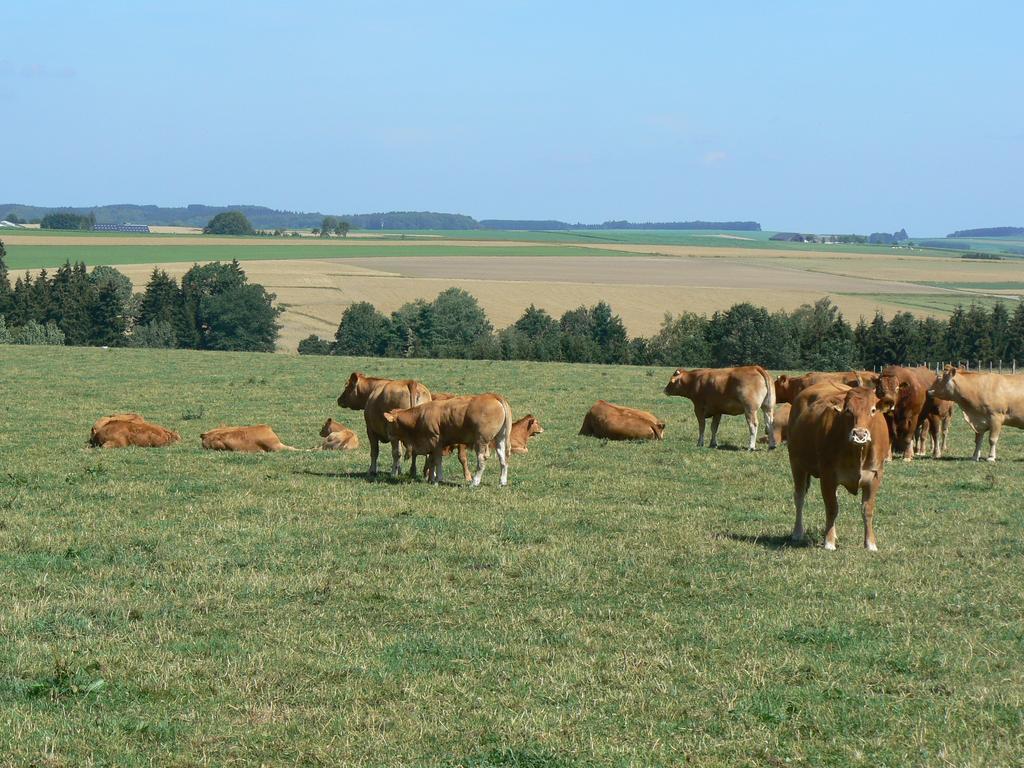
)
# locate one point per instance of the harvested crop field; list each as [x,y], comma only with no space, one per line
[315,292]
[315,280]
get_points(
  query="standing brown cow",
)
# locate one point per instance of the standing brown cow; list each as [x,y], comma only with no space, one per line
[837,434]
[911,386]
[989,401]
[788,387]
[375,397]
[474,420]
[727,391]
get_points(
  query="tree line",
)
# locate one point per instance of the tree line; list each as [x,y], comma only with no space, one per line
[813,336]
[214,307]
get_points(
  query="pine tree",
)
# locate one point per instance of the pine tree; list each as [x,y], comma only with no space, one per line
[161,302]
[6,294]
[1015,335]
[106,317]
[999,325]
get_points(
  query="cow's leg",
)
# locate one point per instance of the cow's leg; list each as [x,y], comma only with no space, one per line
[830,495]
[699,413]
[945,434]
[502,451]
[464,461]
[396,458]
[715,421]
[979,435]
[374,453]
[481,458]
[993,437]
[752,428]
[435,460]
[412,469]
[935,433]
[869,491]
[801,482]
[769,425]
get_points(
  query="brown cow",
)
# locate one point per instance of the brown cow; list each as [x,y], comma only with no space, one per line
[780,425]
[727,391]
[837,434]
[788,387]
[933,426]
[129,429]
[522,430]
[337,437]
[619,422]
[258,438]
[989,401]
[375,397]
[474,420]
[912,391]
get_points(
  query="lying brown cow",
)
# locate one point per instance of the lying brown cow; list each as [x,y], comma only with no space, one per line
[337,437]
[989,401]
[258,438]
[375,397]
[473,420]
[122,430]
[718,392]
[837,434]
[619,422]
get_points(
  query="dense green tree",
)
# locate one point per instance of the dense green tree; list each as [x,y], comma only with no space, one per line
[978,332]
[824,338]
[74,298]
[328,227]
[740,335]
[229,223]
[5,282]
[681,341]
[412,330]
[38,334]
[5,332]
[609,334]
[156,334]
[999,331]
[901,346]
[67,221]
[106,316]
[103,274]
[1015,335]
[537,336]
[314,345]
[362,331]
[241,318]
[958,345]
[577,331]
[461,328]
[162,301]
[931,336]
[342,228]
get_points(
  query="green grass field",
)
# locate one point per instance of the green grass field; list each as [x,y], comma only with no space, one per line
[36,256]
[940,303]
[617,605]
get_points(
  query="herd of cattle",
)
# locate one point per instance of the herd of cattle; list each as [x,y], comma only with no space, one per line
[839,427]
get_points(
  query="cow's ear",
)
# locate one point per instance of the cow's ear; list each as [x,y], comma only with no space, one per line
[837,408]
[884,406]
[390,417]
[903,385]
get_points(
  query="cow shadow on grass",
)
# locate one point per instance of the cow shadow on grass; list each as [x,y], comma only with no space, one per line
[383,478]
[768,541]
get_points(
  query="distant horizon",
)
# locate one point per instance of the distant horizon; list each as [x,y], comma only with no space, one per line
[764,227]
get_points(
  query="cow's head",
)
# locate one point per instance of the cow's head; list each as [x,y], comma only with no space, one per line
[785,389]
[352,397]
[887,389]
[859,408]
[533,426]
[946,385]
[328,427]
[679,384]
[659,430]
[397,428]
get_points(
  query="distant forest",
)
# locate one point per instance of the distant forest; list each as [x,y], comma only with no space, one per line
[262,217]
[988,232]
[549,224]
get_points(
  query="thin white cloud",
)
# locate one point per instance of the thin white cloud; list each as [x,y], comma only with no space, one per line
[715,157]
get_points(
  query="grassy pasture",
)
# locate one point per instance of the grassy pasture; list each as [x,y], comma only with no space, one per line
[618,604]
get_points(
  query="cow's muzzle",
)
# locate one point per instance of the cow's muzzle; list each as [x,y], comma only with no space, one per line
[860,436]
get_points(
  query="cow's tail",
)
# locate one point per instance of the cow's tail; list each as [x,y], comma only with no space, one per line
[769,401]
[504,436]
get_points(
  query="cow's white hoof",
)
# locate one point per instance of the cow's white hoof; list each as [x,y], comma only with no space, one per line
[872,547]
[830,546]
[992,459]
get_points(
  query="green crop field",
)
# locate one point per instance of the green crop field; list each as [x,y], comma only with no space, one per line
[619,604]
[36,256]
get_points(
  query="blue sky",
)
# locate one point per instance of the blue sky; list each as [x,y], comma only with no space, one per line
[828,117]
